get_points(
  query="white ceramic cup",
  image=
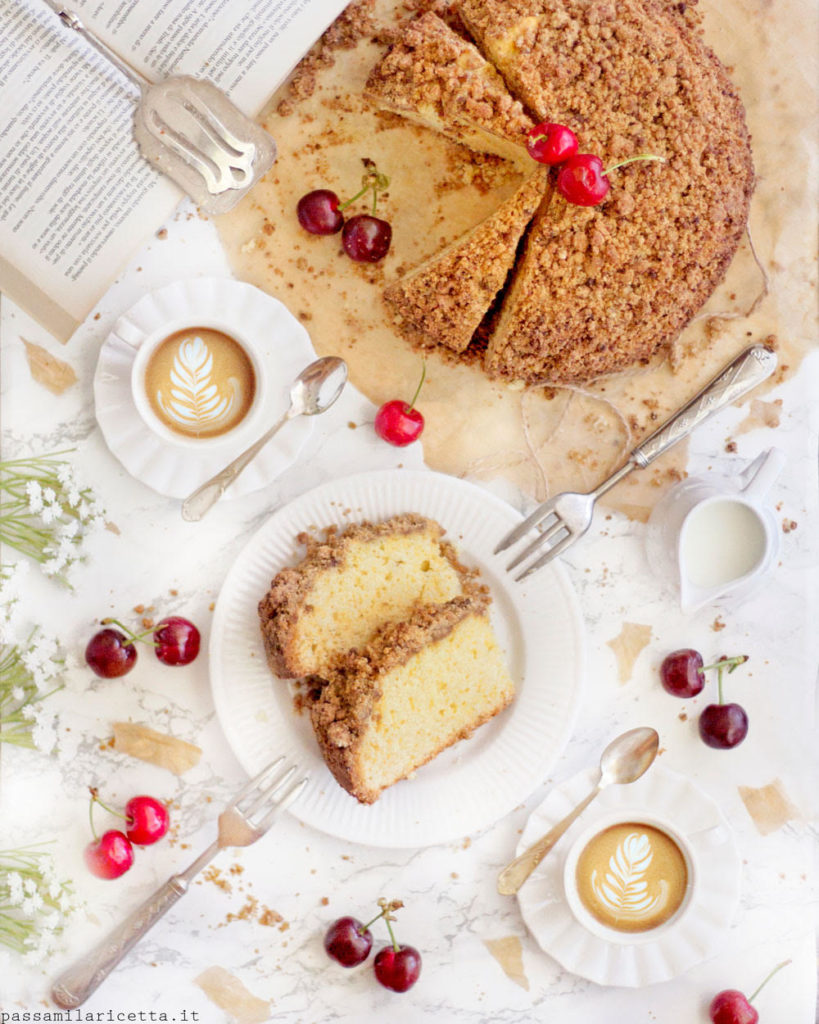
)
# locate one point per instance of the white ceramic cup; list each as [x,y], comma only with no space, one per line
[579,909]
[246,431]
[671,532]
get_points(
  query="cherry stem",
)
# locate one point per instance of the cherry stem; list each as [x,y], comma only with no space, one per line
[765,982]
[420,385]
[729,663]
[96,800]
[91,803]
[632,159]
[364,927]
[372,179]
[395,947]
[133,637]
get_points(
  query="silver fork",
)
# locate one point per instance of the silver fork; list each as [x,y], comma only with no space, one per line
[246,819]
[567,516]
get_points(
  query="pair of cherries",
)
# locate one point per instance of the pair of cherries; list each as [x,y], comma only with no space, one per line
[581,179]
[112,854]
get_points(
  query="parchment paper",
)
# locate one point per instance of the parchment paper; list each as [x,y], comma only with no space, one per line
[541,442]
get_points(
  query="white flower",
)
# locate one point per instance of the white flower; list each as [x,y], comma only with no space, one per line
[52,567]
[65,474]
[68,529]
[29,887]
[49,495]
[31,904]
[35,496]
[14,881]
[54,889]
[73,496]
[49,513]
[18,693]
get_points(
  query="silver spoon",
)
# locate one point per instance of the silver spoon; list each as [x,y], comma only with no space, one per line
[625,759]
[312,392]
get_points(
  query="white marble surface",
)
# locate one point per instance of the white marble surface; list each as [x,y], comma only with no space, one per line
[452,909]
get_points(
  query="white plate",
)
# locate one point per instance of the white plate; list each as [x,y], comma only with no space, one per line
[283,344]
[698,933]
[477,781]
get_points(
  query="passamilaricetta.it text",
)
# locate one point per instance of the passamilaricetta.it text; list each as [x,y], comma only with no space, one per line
[101,1016]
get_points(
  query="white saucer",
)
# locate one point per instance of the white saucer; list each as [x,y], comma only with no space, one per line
[175,471]
[698,933]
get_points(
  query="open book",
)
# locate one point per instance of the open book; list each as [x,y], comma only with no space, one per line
[76,197]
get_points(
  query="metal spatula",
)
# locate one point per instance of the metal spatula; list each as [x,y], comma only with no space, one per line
[189,130]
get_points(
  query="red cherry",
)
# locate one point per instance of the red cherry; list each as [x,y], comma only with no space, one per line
[582,181]
[365,238]
[398,423]
[681,673]
[110,653]
[551,143]
[177,641]
[146,819]
[731,1007]
[723,725]
[397,969]
[348,941]
[109,856]
[318,212]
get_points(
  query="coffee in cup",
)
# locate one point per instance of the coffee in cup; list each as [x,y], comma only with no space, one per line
[631,877]
[199,382]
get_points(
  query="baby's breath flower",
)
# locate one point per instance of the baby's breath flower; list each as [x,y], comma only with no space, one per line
[44,514]
[33,904]
[28,674]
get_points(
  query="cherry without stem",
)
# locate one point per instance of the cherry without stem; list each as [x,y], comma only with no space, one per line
[110,653]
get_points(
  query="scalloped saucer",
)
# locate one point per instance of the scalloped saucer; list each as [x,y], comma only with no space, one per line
[697,934]
[282,343]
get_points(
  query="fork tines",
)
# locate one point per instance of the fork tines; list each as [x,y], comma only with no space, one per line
[269,792]
[554,528]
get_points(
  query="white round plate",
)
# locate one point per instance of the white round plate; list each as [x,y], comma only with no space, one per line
[698,933]
[475,782]
[284,345]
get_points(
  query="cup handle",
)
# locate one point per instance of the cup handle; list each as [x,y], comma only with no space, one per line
[761,473]
[128,332]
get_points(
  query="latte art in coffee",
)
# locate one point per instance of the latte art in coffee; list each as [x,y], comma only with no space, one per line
[200,382]
[632,877]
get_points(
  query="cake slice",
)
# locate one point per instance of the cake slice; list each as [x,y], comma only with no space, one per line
[351,583]
[418,687]
[443,301]
[434,77]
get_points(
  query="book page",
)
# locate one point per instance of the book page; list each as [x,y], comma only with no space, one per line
[246,47]
[76,198]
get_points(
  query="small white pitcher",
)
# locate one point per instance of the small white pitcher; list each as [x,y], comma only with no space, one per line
[716,536]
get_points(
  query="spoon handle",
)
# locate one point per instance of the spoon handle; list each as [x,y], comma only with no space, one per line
[197,504]
[515,874]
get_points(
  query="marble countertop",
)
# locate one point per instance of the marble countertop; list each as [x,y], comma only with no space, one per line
[262,914]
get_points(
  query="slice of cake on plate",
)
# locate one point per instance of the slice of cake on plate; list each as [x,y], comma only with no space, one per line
[433,76]
[443,301]
[418,687]
[351,583]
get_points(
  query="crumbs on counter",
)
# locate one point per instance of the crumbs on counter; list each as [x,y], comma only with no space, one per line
[717,625]
[788,525]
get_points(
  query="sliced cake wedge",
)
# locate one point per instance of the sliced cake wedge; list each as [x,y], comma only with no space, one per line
[349,584]
[443,301]
[418,687]
[434,77]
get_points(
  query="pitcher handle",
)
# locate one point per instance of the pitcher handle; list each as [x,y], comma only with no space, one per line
[761,473]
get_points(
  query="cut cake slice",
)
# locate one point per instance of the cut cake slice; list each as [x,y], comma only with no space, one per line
[443,301]
[417,688]
[351,583]
[434,77]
